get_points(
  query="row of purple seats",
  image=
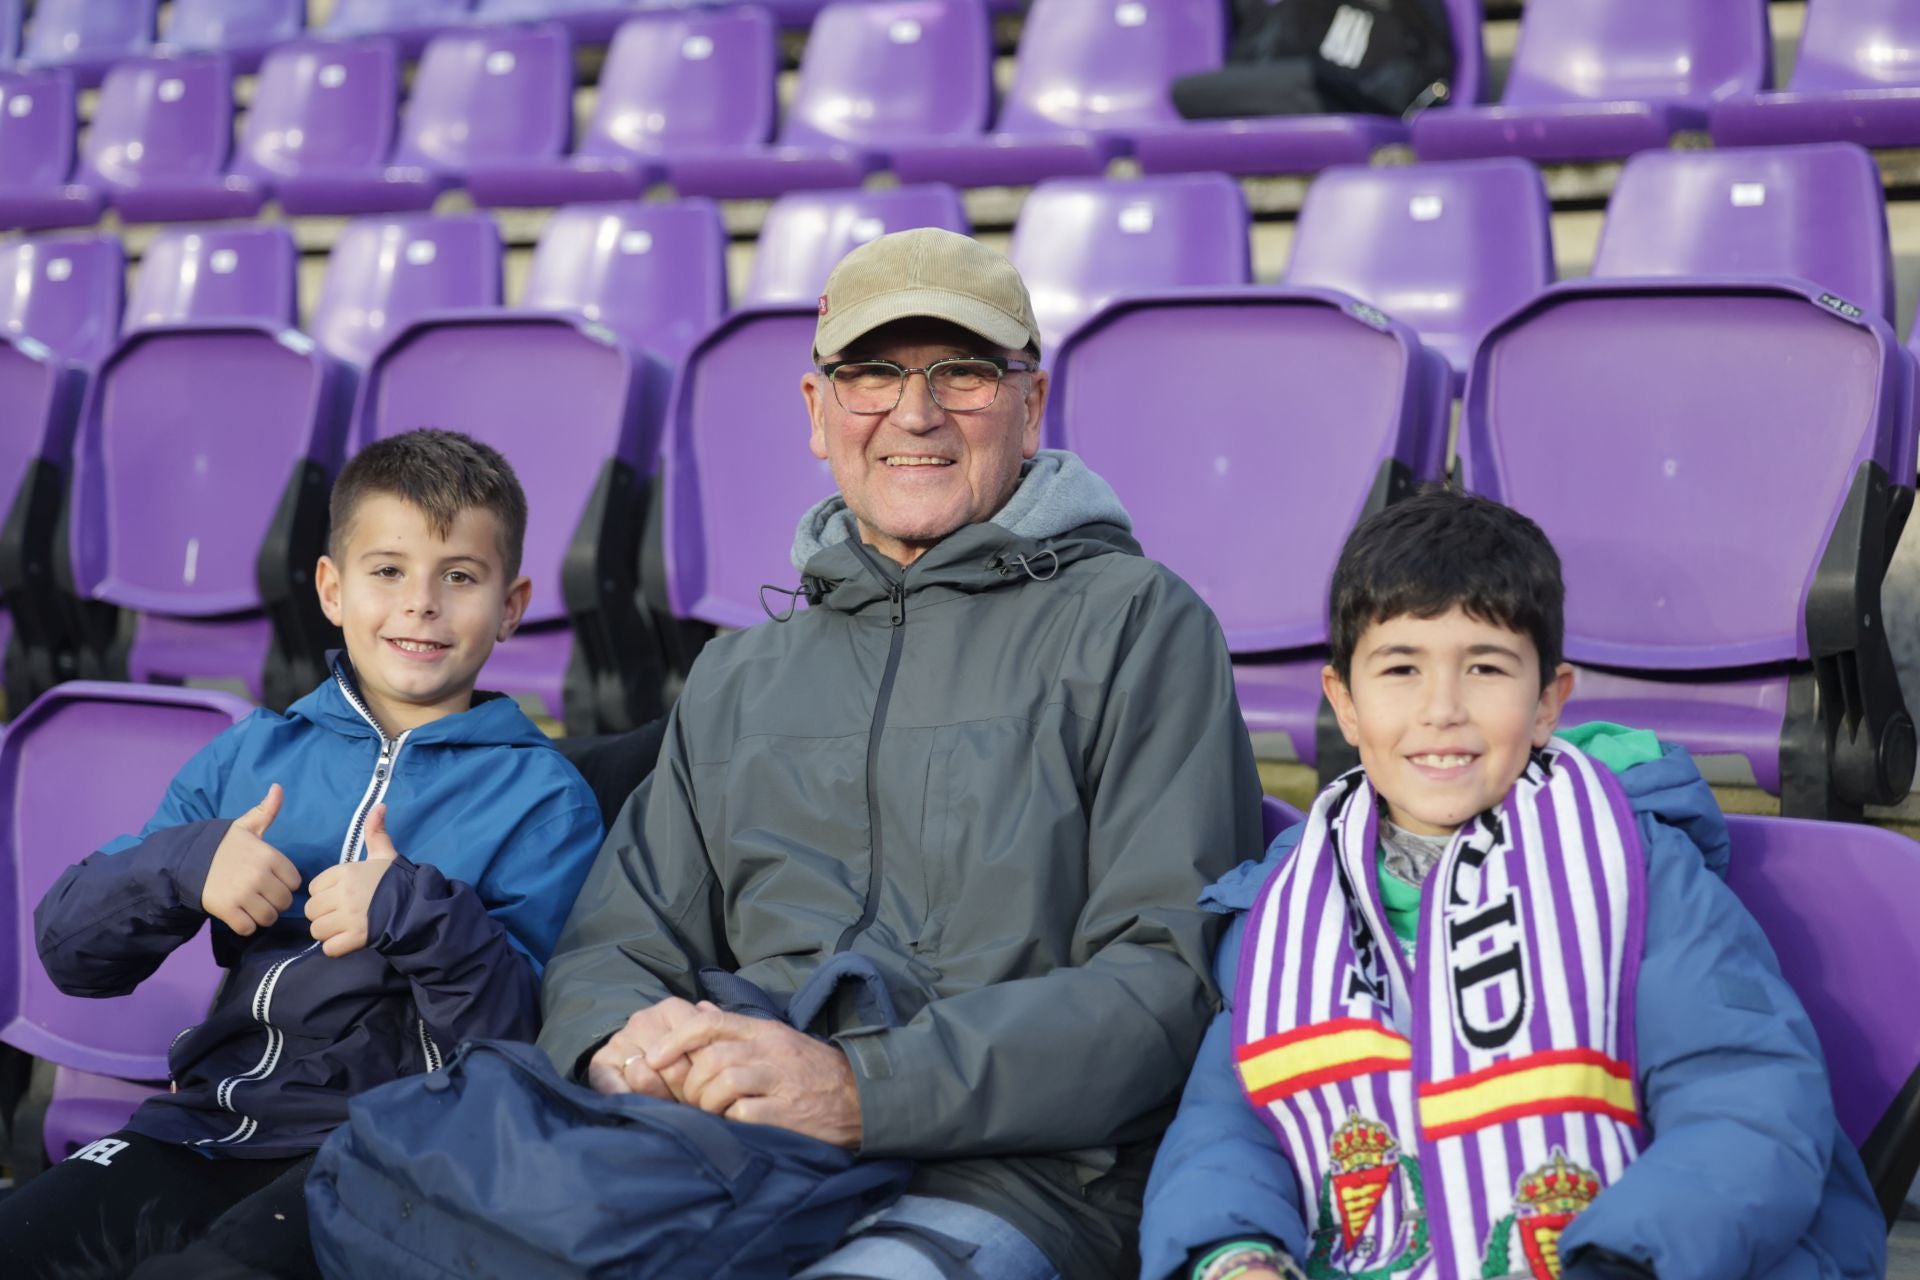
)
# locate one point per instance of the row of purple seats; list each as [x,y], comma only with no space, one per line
[1807,883]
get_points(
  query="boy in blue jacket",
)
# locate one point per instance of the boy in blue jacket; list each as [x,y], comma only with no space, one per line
[386,866]
[1491,1010]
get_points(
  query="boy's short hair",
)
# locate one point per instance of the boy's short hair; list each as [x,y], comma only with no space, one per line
[441,474]
[1440,549]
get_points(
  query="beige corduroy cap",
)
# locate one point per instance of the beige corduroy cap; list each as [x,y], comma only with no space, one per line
[926,272]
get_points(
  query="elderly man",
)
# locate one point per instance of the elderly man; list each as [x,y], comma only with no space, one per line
[998,756]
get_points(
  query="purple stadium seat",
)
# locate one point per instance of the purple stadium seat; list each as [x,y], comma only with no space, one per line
[161,137]
[876,74]
[1836,902]
[691,79]
[321,125]
[1595,79]
[38,183]
[409,23]
[242,29]
[1856,79]
[10,11]
[507,377]
[1361,413]
[64,293]
[128,740]
[204,513]
[1303,144]
[1081,241]
[209,275]
[387,272]
[87,36]
[1698,449]
[653,274]
[736,472]
[806,233]
[85,1107]
[1086,75]
[588,21]
[1276,815]
[1444,248]
[1816,213]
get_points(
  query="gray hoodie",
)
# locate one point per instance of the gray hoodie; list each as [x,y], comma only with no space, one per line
[1004,775]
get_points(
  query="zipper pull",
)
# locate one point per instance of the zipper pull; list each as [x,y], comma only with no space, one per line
[385,761]
[898,597]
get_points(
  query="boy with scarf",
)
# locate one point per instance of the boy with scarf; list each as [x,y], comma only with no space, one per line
[1491,1010]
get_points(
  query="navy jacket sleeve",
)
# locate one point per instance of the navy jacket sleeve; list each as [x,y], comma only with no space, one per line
[1219,1175]
[473,955]
[1733,1086]
[109,921]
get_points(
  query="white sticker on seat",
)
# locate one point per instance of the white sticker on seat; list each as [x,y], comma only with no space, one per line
[59,269]
[905,31]
[223,262]
[636,241]
[865,229]
[499,62]
[1131,14]
[172,89]
[1425,208]
[333,75]
[421,252]
[1748,195]
[697,48]
[1136,219]
[20,104]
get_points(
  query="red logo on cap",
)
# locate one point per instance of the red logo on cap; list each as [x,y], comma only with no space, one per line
[823,304]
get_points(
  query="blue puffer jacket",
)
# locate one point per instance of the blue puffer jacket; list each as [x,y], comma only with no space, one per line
[1748,1174]
[495,831]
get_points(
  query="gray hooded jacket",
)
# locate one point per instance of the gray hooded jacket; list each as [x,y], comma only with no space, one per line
[1004,776]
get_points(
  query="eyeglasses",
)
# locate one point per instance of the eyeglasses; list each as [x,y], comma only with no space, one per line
[959,386]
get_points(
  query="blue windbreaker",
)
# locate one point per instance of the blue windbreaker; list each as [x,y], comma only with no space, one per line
[495,831]
[1747,1175]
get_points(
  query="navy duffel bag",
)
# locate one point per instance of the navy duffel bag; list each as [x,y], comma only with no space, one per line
[494,1166]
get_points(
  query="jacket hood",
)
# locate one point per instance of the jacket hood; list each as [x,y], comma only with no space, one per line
[1061,512]
[493,720]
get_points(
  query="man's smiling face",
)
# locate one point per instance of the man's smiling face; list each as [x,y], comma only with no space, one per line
[916,474]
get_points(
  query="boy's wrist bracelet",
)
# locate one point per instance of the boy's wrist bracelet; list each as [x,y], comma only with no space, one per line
[1236,1259]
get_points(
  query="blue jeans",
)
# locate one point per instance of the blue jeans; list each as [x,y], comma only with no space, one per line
[923,1238]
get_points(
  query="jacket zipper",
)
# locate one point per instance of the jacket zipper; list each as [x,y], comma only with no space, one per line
[263,994]
[897,615]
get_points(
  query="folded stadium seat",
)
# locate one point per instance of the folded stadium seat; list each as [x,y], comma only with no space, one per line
[386,272]
[213,274]
[588,21]
[1276,815]
[87,762]
[1080,241]
[1836,901]
[876,74]
[1444,248]
[320,128]
[611,288]
[408,23]
[698,78]
[38,183]
[87,36]
[242,29]
[1816,213]
[1360,414]
[1855,79]
[1712,458]
[804,234]
[161,137]
[1303,144]
[1597,79]
[200,517]
[59,314]
[1085,77]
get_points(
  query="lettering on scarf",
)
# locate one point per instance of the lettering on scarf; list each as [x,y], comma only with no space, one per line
[1486,948]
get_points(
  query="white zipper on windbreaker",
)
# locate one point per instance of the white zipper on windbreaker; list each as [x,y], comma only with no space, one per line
[352,848]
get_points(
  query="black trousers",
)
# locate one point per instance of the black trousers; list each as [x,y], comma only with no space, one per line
[130,1205]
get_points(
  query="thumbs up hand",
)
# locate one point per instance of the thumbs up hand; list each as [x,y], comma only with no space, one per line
[338,898]
[249,883]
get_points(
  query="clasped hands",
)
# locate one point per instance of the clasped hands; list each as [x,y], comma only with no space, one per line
[249,882]
[754,1070]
